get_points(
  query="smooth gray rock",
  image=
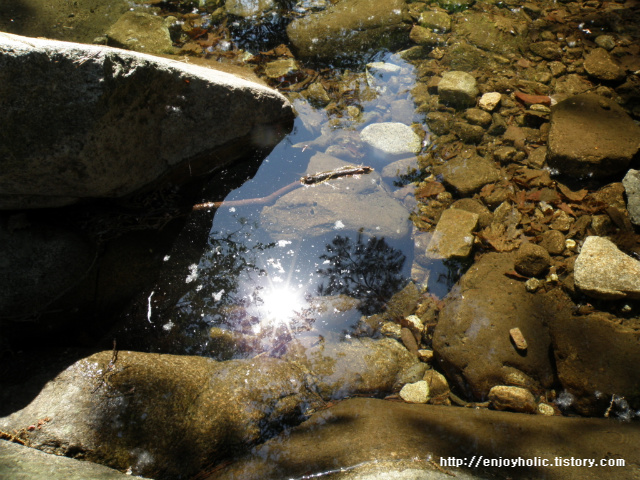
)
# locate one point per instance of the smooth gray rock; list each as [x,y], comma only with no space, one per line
[631,182]
[344,205]
[168,416]
[603,271]
[18,462]
[350,26]
[85,121]
[591,135]
[458,89]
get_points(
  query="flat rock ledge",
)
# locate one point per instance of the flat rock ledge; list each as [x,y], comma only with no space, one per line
[86,121]
[603,271]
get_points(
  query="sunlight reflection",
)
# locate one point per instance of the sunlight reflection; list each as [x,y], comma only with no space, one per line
[280,304]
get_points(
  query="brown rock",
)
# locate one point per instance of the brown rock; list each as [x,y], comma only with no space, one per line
[472,342]
[599,64]
[590,134]
[516,399]
[532,260]
[468,175]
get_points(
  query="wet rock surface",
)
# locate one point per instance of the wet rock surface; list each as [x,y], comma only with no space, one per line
[350,27]
[378,432]
[23,463]
[472,340]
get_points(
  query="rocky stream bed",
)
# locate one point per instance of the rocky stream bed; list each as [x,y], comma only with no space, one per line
[502,139]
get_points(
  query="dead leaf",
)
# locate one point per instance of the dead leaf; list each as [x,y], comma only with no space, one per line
[429,189]
[571,195]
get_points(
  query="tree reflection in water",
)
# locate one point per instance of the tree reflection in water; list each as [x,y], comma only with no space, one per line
[369,270]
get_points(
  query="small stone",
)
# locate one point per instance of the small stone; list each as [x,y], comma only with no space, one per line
[458,89]
[417,392]
[599,64]
[516,399]
[505,154]
[546,409]
[468,175]
[425,355]
[280,68]
[518,339]
[468,133]
[391,139]
[409,340]
[391,330]
[532,260]
[248,8]
[606,41]
[413,323]
[438,385]
[533,284]
[553,242]
[561,221]
[317,95]
[547,50]
[439,122]
[476,116]
[489,101]
[453,237]
[424,36]
[438,21]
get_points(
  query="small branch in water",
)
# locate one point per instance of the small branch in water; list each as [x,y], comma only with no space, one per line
[307,180]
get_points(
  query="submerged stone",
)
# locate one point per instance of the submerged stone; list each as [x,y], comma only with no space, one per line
[345,205]
[417,392]
[453,237]
[458,89]
[142,32]
[591,135]
[350,26]
[468,175]
[391,139]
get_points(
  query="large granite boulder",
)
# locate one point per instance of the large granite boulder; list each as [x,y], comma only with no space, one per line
[591,135]
[349,27]
[160,415]
[85,121]
[167,416]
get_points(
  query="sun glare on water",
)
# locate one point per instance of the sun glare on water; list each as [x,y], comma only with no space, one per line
[280,304]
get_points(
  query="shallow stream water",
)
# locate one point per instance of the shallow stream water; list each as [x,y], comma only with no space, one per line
[252,276]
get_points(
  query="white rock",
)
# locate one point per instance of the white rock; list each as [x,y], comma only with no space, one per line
[603,271]
[417,392]
[391,139]
[489,101]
